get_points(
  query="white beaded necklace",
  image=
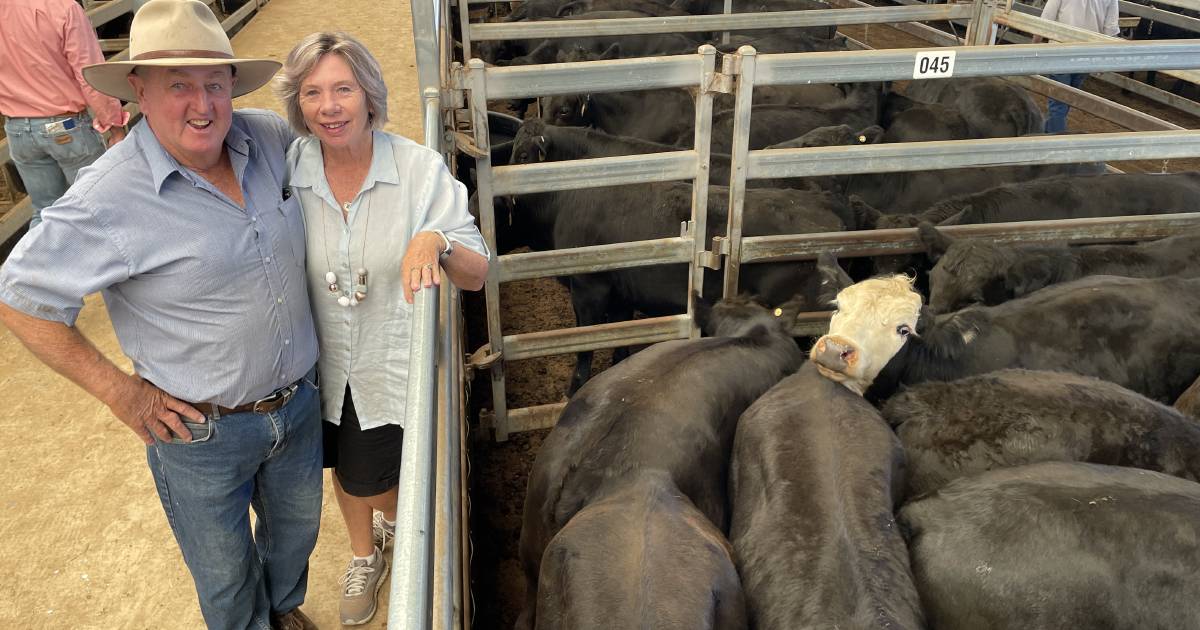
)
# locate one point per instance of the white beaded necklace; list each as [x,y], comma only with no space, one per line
[360,286]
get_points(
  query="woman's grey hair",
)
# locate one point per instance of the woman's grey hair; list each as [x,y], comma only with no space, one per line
[304,58]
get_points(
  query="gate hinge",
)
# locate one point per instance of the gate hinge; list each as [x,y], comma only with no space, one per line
[482,359]
[467,145]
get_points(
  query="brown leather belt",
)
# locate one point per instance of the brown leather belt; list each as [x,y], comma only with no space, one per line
[272,402]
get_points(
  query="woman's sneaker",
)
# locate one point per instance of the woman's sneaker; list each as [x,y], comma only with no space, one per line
[360,588]
[383,532]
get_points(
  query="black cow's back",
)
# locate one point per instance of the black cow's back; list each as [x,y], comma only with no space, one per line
[1052,546]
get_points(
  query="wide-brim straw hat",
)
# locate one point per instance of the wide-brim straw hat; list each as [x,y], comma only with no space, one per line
[177,33]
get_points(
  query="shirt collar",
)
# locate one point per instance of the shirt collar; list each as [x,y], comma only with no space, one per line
[162,164]
[310,167]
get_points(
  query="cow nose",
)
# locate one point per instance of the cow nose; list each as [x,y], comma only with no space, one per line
[834,355]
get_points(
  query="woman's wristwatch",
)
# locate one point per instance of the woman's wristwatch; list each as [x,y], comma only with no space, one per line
[446,241]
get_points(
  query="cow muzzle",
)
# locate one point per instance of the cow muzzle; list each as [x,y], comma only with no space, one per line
[834,355]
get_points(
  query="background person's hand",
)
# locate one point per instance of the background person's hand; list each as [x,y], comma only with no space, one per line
[420,263]
[148,409]
[115,135]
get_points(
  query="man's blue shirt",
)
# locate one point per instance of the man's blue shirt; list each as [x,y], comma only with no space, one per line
[207,298]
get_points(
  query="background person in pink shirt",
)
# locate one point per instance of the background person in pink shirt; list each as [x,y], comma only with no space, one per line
[51,135]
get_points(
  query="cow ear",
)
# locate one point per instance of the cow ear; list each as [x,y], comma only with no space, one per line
[865,217]
[1023,277]
[936,243]
[702,314]
[870,135]
[833,278]
[570,8]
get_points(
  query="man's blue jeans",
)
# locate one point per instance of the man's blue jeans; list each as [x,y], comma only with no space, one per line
[271,462]
[1056,121]
[47,162]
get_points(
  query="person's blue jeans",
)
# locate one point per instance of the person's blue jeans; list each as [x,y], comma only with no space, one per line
[48,163]
[1056,120]
[271,462]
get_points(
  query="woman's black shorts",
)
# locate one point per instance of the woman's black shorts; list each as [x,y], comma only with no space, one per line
[366,463]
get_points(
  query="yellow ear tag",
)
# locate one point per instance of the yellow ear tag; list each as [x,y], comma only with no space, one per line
[862,139]
[778,312]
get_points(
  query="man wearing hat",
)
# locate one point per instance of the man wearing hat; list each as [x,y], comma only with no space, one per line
[188,231]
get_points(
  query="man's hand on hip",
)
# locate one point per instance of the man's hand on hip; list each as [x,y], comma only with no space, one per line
[148,409]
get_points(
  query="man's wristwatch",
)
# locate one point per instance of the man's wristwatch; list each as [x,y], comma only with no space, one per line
[446,242]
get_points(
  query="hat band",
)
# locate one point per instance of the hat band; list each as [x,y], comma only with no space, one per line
[165,54]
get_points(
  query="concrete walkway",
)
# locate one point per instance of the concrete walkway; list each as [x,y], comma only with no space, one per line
[86,544]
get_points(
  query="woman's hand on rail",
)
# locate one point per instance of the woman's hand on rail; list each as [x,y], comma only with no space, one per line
[420,263]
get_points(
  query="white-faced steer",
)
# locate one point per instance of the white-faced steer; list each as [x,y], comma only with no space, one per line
[1143,334]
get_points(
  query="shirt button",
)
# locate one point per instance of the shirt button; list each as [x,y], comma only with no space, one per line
[268,259]
[253,219]
[287,342]
[279,300]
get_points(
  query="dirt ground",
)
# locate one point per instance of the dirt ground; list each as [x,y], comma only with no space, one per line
[86,545]
[501,471]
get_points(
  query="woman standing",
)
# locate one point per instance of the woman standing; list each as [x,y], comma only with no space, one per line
[368,197]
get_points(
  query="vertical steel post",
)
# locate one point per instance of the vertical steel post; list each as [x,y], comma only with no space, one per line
[743,96]
[411,589]
[464,25]
[981,29]
[702,143]
[477,80]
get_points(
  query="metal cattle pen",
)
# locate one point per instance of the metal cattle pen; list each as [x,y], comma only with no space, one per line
[739,73]
[429,587]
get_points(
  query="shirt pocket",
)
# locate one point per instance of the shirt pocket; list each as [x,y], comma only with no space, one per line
[293,226]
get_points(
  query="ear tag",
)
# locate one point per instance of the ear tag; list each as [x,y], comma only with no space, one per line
[778,312]
[862,139]
[583,110]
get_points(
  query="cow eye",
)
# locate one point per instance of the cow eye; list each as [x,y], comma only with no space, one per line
[903,330]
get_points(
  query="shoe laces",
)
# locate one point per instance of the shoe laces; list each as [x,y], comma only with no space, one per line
[355,578]
[383,533]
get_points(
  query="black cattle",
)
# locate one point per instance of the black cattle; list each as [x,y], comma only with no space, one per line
[773,124]
[979,272]
[530,10]
[992,107]
[641,556]
[1149,29]
[663,115]
[1054,545]
[1143,334]
[1063,197]
[813,478]
[1016,417]
[832,136]
[670,407]
[898,196]
[518,52]
[907,120]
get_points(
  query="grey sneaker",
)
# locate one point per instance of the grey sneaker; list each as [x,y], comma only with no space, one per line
[360,589]
[383,532]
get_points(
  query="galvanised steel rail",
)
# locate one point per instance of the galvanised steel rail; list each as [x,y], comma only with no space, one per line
[428,584]
[717,22]
[409,607]
[749,70]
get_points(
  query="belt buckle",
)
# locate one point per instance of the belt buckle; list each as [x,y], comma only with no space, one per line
[281,395]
